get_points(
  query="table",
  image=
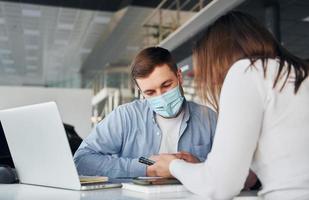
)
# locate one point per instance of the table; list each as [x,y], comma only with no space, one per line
[31,192]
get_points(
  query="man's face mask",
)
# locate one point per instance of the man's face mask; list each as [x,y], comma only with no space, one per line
[168,104]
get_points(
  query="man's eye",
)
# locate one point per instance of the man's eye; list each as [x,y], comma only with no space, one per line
[166,86]
[149,93]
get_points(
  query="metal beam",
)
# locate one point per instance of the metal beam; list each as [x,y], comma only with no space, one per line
[98,5]
[197,23]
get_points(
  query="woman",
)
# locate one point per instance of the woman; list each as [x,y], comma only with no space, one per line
[261,93]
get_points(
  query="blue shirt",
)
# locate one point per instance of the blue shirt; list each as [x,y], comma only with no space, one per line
[130,131]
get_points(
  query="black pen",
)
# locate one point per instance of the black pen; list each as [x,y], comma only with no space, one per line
[146,161]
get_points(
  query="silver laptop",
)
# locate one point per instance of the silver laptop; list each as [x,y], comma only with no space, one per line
[40,148]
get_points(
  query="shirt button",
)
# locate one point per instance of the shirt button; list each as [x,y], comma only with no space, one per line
[158,133]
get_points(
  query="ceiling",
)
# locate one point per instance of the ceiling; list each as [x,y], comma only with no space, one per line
[52,42]
[98,5]
[48,43]
[43,44]
[109,5]
[124,40]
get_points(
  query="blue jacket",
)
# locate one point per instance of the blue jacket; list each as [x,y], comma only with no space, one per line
[130,131]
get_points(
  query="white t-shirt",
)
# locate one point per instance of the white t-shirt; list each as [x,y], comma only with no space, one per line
[170,128]
[258,127]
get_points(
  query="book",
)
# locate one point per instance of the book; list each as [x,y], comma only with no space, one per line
[92,179]
[150,189]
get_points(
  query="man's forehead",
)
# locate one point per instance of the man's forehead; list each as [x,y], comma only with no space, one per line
[152,83]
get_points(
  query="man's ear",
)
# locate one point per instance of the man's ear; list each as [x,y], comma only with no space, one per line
[179,75]
[141,94]
[139,91]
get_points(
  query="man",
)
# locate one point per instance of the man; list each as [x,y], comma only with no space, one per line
[164,122]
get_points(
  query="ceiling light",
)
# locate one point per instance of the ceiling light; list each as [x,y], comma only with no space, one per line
[4,38]
[306,19]
[65,26]
[31,13]
[32,58]
[31,47]
[32,67]
[7,61]
[10,70]
[56,66]
[31,32]
[85,51]
[5,51]
[2,21]
[61,42]
[31,74]
[101,19]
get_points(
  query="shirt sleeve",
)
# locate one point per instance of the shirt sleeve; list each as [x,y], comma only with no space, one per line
[240,118]
[99,152]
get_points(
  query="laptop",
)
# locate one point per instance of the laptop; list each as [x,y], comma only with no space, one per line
[40,149]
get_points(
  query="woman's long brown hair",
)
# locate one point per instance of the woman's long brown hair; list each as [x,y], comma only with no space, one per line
[232,37]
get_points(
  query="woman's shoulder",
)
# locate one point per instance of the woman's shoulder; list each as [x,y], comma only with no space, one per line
[259,64]
[245,74]
[258,68]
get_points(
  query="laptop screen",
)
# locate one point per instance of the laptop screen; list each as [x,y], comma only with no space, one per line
[5,155]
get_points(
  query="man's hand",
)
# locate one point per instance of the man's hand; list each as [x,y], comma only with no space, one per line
[250,181]
[188,157]
[151,170]
[161,167]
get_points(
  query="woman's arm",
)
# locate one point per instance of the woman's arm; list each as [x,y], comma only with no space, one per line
[240,120]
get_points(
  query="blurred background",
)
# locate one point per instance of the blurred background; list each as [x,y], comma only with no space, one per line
[78,52]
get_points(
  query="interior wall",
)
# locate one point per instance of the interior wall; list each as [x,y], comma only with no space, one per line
[74,104]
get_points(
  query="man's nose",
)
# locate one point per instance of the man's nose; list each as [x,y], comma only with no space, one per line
[161,91]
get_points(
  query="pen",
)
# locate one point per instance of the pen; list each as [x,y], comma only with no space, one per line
[146,161]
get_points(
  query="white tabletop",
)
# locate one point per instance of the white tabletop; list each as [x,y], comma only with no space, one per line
[31,192]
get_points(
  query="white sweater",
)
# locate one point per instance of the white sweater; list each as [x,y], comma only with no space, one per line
[258,127]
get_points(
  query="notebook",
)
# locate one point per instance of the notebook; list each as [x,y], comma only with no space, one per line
[150,189]
[92,179]
[41,151]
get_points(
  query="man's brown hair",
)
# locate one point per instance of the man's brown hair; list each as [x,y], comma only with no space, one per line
[148,59]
